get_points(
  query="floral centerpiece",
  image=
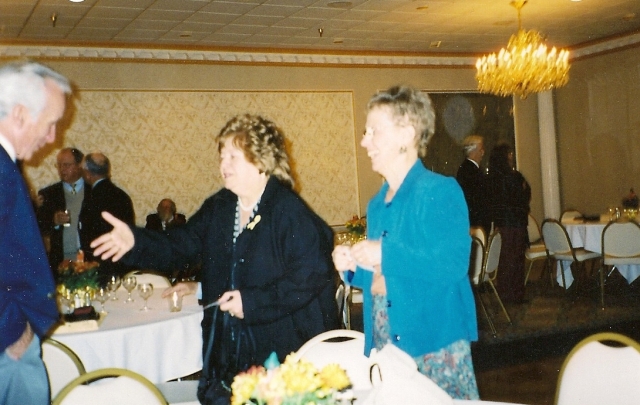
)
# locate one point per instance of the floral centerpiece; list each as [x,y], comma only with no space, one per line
[291,383]
[357,228]
[78,277]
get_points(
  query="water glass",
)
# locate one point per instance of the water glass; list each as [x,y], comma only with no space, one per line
[175,302]
[129,283]
[145,290]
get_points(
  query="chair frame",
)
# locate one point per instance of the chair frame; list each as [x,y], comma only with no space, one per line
[604,255]
[106,373]
[598,337]
[532,254]
[66,350]
[571,251]
[324,336]
[477,242]
[485,277]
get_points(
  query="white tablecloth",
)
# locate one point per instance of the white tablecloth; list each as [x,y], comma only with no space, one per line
[158,344]
[589,236]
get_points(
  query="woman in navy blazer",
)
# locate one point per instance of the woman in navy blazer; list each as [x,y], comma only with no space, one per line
[413,266]
[266,256]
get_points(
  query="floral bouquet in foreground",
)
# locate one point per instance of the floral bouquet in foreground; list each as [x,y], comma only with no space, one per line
[357,226]
[291,383]
[78,274]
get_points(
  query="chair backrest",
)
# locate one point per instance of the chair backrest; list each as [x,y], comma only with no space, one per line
[127,388]
[349,354]
[594,373]
[569,214]
[479,233]
[621,239]
[477,259]
[341,300]
[555,237]
[492,256]
[142,276]
[533,230]
[62,364]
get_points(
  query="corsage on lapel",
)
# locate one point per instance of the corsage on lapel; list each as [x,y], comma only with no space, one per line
[255,221]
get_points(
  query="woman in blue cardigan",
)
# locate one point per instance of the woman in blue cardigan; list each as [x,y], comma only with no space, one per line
[413,267]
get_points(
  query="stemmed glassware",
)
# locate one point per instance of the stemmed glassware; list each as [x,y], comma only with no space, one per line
[102,295]
[145,290]
[129,283]
[113,284]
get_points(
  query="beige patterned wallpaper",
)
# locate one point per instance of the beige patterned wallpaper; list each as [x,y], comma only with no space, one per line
[161,144]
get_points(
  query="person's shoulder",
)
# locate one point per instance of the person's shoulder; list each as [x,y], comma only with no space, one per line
[52,188]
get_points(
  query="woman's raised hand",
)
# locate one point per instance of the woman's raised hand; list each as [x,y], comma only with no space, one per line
[115,243]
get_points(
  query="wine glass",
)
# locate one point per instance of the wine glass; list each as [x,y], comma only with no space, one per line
[129,283]
[145,290]
[113,284]
[102,295]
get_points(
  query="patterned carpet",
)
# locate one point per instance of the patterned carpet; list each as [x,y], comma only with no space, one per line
[553,321]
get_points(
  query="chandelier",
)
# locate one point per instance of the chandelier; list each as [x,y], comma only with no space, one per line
[524,67]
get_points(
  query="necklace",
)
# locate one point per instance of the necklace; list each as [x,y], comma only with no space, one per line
[244,207]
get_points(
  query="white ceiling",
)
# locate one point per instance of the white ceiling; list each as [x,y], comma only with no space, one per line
[370,26]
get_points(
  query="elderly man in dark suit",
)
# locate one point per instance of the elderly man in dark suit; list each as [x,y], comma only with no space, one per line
[32,101]
[471,179]
[166,216]
[59,207]
[105,196]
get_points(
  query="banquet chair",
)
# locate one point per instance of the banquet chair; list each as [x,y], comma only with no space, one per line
[62,364]
[479,233]
[620,246]
[145,276]
[180,392]
[325,349]
[536,250]
[341,302]
[116,386]
[490,263]
[476,262]
[570,214]
[558,246]
[594,373]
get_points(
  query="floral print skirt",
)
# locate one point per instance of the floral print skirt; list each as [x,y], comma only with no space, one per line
[450,367]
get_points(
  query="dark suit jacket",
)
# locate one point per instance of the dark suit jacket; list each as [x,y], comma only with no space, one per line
[27,290]
[472,181]
[155,223]
[54,201]
[283,266]
[105,196]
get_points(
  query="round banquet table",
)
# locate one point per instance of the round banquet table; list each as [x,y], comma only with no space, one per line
[158,344]
[588,235]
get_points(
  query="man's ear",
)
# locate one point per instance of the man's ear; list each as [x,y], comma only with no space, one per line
[19,116]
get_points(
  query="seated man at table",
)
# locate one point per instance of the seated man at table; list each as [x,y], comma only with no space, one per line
[165,217]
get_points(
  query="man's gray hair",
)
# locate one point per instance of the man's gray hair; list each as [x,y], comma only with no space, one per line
[23,83]
[470,143]
[98,164]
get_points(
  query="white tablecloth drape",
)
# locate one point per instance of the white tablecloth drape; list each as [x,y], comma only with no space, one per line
[589,236]
[158,344]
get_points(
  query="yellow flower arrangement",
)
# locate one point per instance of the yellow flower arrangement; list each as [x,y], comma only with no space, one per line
[292,383]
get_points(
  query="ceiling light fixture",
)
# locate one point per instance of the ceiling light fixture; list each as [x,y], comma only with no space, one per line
[524,67]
